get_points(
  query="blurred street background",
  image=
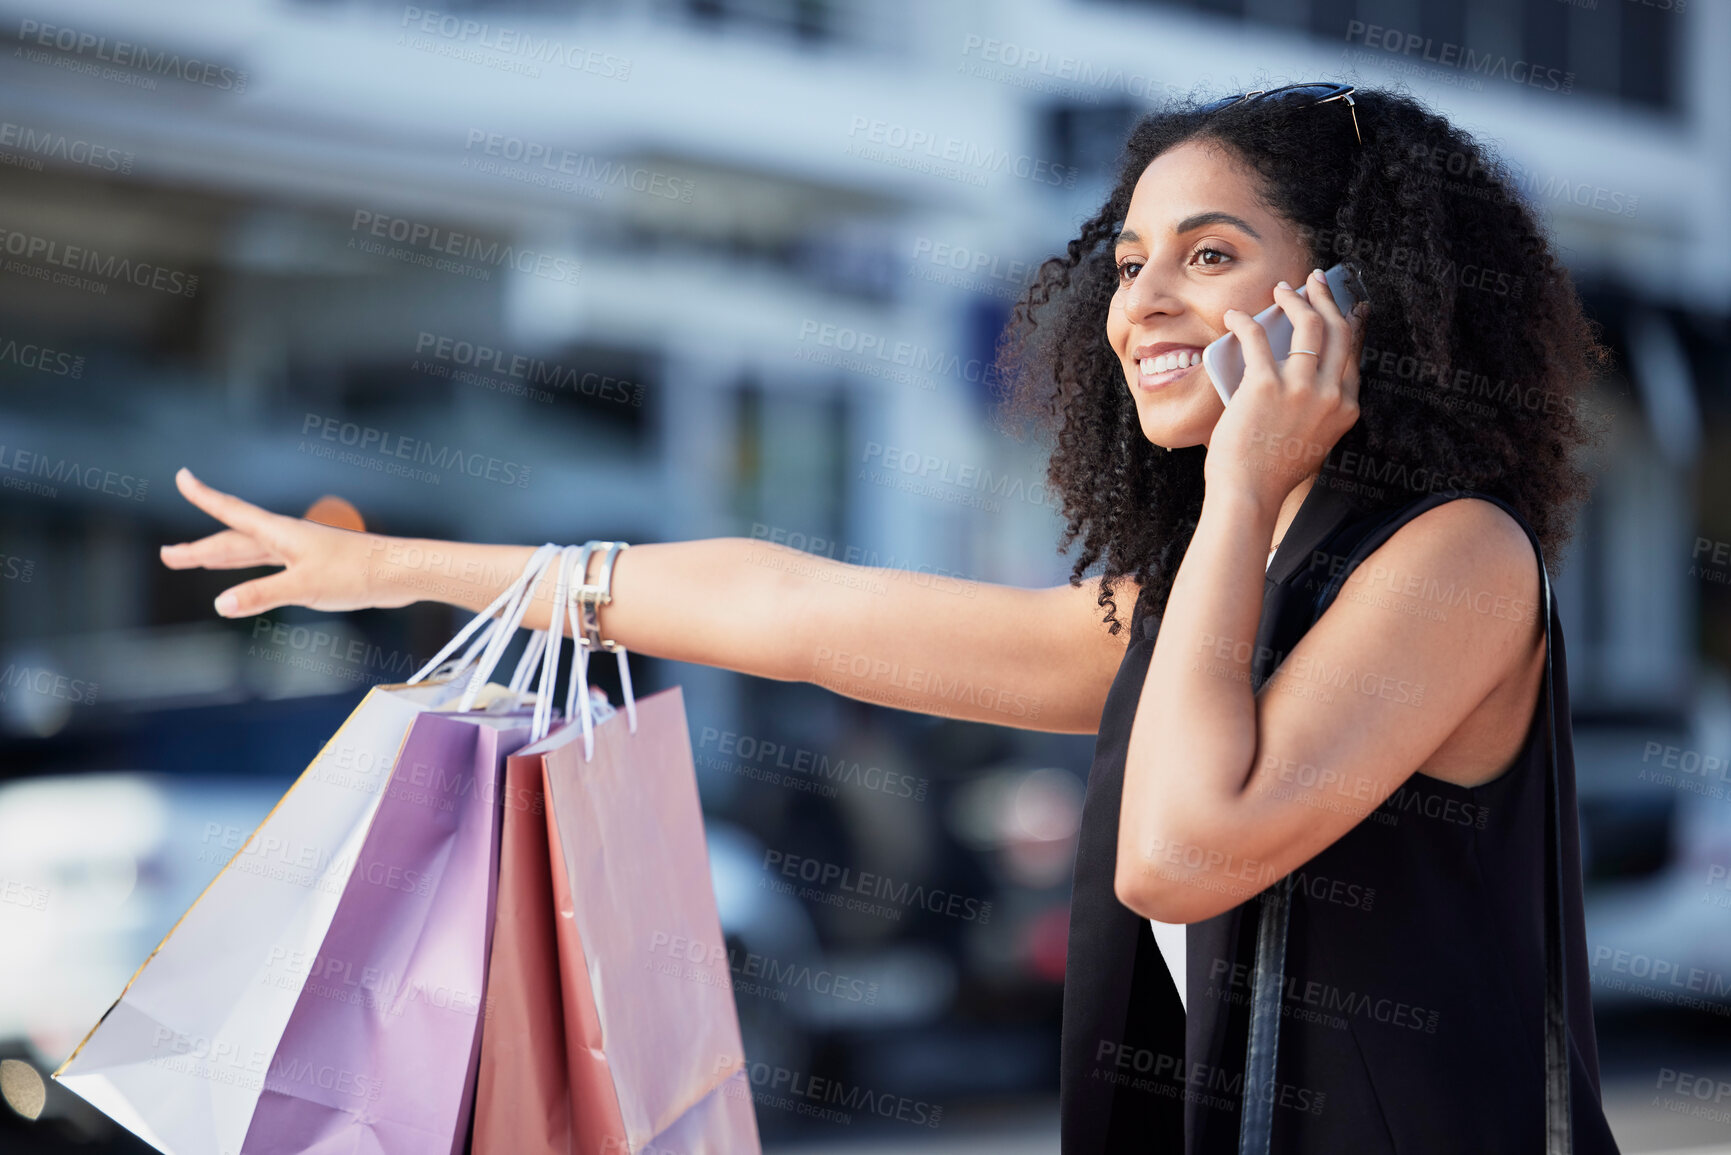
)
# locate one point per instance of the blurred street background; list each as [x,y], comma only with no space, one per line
[691,268]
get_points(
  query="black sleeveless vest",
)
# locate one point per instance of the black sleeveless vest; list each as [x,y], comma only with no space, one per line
[1412,1008]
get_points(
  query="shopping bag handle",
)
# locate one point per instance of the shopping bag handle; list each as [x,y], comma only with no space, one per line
[454,666]
[531,655]
[489,645]
[509,624]
[586,629]
[534,654]
[570,594]
[577,693]
[550,641]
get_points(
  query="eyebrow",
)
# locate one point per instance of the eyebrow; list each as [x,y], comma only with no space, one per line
[1193,222]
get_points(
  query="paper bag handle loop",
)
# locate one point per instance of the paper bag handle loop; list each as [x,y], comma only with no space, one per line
[487,645]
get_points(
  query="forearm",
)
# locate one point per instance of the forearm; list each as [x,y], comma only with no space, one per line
[1036,659]
[915,640]
[1194,740]
[701,601]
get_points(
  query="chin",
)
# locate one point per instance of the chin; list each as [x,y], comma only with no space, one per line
[1168,439]
[1159,427]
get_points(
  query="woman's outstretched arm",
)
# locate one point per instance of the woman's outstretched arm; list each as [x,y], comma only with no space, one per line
[1037,659]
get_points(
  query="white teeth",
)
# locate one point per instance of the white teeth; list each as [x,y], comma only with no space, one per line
[1167,362]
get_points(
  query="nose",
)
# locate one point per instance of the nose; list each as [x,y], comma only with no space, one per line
[1149,296]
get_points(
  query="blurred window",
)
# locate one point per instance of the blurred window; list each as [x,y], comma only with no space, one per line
[1616,49]
[1089,137]
[810,20]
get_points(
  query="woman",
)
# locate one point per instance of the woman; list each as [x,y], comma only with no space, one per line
[1393,476]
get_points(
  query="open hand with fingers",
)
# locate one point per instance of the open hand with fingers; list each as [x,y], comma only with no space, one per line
[325,568]
[1287,415]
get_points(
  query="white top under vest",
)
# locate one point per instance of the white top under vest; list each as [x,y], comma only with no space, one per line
[1170,937]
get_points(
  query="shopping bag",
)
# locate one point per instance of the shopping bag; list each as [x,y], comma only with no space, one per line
[649,1064]
[522,1093]
[379,1054]
[523,1096]
[631,876]
[180,1058]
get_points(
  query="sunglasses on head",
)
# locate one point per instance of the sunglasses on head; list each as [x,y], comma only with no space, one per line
[1320,92]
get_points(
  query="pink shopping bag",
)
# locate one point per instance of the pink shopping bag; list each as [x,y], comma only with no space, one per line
[651,1063]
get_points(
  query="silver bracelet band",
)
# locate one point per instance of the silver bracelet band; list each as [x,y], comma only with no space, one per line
[590,598]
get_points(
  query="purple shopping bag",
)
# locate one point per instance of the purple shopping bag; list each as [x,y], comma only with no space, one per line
[380,1053]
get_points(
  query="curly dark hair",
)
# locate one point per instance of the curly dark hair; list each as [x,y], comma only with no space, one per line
[1476,354]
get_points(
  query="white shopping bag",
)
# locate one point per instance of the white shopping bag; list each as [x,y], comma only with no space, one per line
[181,1056]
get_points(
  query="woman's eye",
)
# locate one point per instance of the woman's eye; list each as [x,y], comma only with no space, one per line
[1125,276]
[1200,252]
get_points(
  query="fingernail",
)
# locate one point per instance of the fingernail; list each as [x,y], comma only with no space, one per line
[1282,285]
[1317,273]
[1229,312]
[225,603]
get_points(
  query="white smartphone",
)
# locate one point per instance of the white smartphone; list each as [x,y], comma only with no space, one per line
[1223,359]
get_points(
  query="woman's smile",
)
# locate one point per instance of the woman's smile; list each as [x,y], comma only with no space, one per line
[1157,366]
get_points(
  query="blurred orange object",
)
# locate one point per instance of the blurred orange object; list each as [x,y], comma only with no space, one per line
[333,510]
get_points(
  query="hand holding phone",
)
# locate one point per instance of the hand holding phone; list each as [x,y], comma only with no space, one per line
[1223,359]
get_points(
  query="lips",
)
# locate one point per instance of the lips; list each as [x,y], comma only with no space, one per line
[1164,362]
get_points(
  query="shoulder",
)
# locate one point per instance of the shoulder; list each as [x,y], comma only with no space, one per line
[1466,552]
[1479,532]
